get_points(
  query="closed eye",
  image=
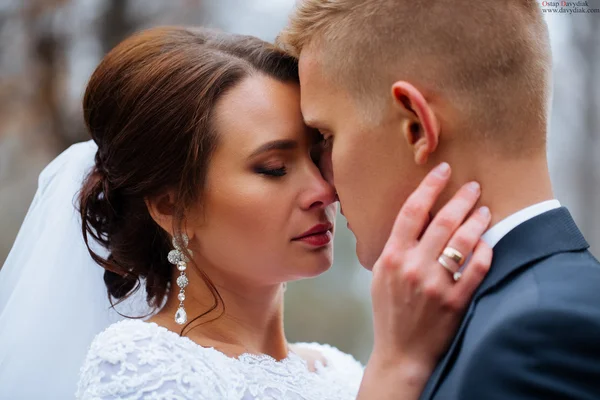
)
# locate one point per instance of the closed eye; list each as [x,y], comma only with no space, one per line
[272,172]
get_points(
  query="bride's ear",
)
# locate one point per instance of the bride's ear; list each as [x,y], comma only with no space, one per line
[420,127]
[162,210]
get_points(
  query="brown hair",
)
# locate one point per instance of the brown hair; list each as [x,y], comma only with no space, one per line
[491,59]
[149,108]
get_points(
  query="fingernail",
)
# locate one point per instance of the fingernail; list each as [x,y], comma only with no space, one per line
[442,170]
[485,212]
[474,187]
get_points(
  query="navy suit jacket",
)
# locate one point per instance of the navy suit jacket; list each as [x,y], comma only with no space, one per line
[532,330]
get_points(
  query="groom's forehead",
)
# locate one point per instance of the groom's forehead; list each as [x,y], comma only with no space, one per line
[309,87]
[315,88]
[309,67]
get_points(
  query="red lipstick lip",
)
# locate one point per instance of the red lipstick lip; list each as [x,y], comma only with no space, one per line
[320,228]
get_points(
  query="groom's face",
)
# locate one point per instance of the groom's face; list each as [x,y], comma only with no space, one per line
[367,159]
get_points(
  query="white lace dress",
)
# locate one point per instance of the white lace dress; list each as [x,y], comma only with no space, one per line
[138,360]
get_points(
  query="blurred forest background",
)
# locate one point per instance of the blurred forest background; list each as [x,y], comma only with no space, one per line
[49,48]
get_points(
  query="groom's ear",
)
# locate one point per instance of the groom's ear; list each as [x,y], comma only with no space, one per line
[420,126]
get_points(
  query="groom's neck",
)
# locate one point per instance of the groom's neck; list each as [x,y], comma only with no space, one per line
[507,185]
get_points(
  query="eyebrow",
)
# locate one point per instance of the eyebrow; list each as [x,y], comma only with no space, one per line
[275,145]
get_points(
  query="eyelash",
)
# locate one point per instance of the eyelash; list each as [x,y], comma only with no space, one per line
[276,172]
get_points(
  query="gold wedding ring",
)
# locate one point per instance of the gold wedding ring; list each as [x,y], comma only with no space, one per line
[456,275]
[454,255]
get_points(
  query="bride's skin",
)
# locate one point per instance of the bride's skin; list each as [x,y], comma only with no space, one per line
[263,190]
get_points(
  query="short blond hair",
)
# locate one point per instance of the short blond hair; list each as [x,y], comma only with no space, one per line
[491,59]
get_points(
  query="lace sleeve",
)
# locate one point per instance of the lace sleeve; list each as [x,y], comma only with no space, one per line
[122,366]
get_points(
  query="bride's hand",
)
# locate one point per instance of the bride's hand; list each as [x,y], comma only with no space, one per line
[417,303]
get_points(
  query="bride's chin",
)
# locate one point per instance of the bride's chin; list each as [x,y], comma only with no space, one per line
[309,264]
[318,267]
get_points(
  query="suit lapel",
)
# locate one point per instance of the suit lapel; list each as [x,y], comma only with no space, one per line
[435,380]
[545,235]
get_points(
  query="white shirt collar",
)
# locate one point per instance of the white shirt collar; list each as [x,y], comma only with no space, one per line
[502,228]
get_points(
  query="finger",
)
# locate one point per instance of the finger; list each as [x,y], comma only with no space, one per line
[474,272]
[414,214]
[468,235]
[448,219]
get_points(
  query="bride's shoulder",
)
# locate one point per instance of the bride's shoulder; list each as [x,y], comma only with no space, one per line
[129,328]
[330,358]
[124,338]
[127,334]
[131,357]
[147,341]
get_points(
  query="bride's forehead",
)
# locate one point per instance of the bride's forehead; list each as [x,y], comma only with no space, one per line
[247,124]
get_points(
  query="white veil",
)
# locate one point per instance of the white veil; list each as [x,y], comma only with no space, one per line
[53,300]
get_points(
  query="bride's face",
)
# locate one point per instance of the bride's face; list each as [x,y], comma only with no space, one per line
[263,189]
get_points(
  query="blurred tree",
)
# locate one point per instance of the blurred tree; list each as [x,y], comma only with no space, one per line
[47,56]
[114,25]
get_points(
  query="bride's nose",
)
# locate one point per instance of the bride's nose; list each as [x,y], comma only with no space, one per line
[318,192]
